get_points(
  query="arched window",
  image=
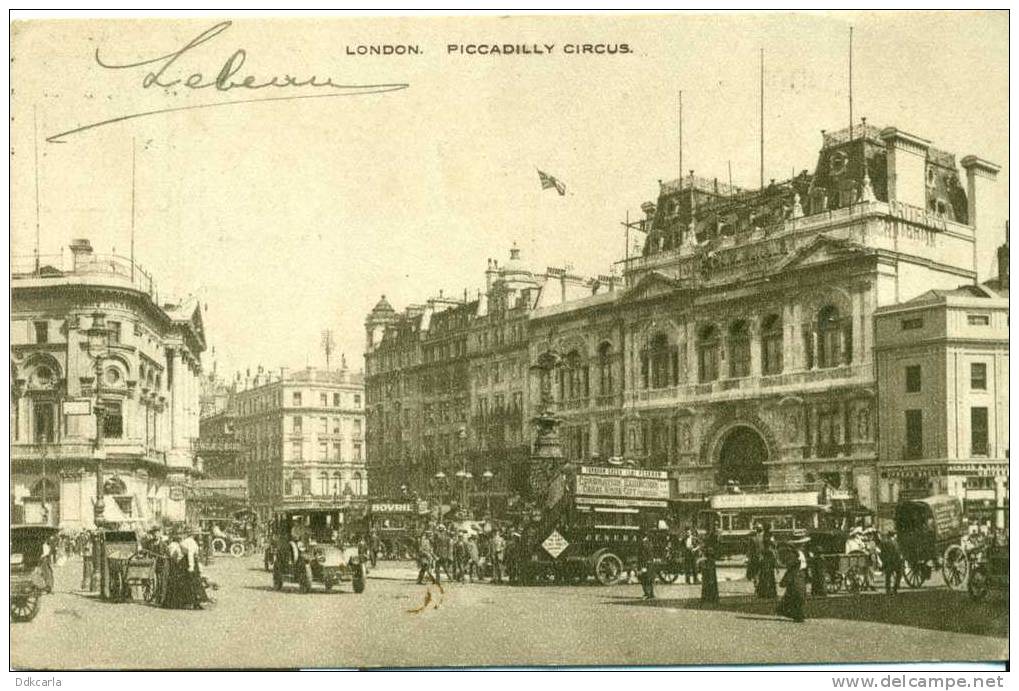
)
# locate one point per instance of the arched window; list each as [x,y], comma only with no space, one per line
[771,344]
[300,485]
[739,350]
[576,376]
[605,369]
[707,354]
[46,489]
[337,485]
[661,362]
[358,483]
[323,483]
[833,338]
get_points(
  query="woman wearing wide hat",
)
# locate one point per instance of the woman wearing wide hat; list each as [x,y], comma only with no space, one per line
[793,602]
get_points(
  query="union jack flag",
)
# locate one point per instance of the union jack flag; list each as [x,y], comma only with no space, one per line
[547,182]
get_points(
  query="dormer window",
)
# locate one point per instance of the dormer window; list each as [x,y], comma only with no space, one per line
[838,162]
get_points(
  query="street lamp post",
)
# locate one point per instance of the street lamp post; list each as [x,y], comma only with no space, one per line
[98,346]
[440,483]
[487,477]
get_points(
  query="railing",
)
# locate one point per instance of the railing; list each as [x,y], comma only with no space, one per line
[700,183]
[860,131]
[863,371]
[210,446]
[108,265]
[53,451]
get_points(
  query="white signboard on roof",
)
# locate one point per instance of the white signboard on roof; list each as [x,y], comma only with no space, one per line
[769,500]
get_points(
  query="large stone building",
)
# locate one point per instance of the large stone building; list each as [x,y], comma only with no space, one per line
[942,380]
[742,347]
[92,338]
[448,385]
[301,436]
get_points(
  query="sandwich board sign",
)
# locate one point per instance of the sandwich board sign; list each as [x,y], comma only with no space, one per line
[554,544]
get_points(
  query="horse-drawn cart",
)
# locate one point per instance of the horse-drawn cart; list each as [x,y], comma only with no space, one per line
[930,533]
[124,566]
[27,582]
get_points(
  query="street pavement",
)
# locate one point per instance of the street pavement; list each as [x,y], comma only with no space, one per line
[396,622]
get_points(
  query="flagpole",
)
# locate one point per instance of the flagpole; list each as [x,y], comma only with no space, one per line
[681,139]
[762,119]
[626,265]
[850,83]
[133,155]
[35,142]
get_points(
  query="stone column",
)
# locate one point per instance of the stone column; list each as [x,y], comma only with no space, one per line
[691,351]
[755,347]
[815,345]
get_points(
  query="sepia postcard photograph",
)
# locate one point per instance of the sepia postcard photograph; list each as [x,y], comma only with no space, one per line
[510,341]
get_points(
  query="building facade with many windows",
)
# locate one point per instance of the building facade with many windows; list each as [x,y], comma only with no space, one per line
[741,350]
[302,440]
[942,373]
[449,386]
[94,337]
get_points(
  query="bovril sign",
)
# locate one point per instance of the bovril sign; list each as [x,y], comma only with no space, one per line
[392,508]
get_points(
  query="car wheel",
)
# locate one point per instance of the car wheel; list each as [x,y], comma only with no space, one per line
[358,580]
[237,549]
[24,607]
[608,568]
[305,582]
[277,579]
[218,545]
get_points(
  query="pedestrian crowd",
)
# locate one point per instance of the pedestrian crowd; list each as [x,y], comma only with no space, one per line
[464,555]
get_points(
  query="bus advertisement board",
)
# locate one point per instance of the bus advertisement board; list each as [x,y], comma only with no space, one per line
[622,482]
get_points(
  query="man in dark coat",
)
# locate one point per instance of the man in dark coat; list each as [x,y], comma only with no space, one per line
[691,546]
[647,566]
[426,559]
[793,602]
[891,561]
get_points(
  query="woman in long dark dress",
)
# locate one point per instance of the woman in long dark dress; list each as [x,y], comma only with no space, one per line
[709,576]
[792,604]
[768,562]
[178,593]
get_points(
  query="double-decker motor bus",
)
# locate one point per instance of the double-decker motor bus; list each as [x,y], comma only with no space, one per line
[592,523]
[826,514]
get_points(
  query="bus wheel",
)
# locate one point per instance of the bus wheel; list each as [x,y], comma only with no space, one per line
[607,568]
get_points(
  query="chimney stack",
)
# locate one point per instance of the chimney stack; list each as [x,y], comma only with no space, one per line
[81,249]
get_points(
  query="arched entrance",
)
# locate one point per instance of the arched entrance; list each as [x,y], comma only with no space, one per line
[741,458]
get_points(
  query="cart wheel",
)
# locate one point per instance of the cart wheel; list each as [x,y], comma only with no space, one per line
[218,545]
[977,584]
[955,567]
[359,581]
[277,579]
[608,568]
[852,581]
[24,607]
[237,549]
[914,574]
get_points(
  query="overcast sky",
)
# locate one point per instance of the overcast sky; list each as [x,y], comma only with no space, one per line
[291,217]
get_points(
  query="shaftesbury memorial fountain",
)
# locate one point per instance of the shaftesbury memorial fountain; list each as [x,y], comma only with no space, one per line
[547,453]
